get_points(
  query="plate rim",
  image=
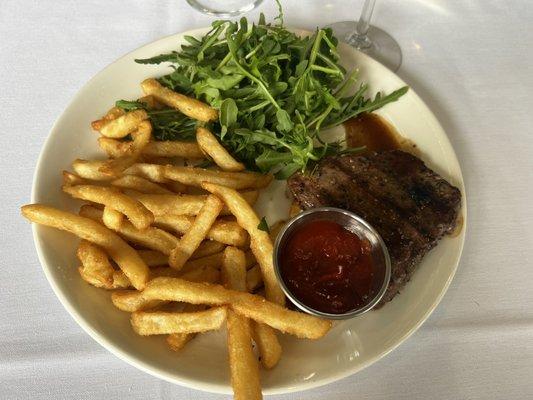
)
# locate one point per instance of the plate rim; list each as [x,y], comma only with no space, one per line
[207,386]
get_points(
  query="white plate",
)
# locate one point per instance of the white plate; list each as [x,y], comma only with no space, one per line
[349,347]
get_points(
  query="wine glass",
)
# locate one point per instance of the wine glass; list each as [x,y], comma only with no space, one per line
[224,8]
[369,39]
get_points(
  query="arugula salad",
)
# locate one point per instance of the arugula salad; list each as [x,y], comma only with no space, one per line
[275,92]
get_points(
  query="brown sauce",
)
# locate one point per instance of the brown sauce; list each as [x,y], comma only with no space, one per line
[376,134]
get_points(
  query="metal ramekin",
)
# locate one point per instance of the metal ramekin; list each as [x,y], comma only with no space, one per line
[353,223]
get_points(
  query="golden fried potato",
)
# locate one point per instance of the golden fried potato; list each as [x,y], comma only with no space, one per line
[212,147]
[139,184]
[252,306]
[112,114]
[136,212]
[181,204]
[260,242]
[191,107]
[124,124]
[227,232]
[126,257]
[244,367]
[190,241]
[96,268]
[192,176]
[159,322]
[141,137]
[116,148]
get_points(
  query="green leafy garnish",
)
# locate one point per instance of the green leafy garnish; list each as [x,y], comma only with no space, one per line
[167,123]
[263,225]
[275,92]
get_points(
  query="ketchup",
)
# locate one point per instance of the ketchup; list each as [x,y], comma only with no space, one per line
[328,268]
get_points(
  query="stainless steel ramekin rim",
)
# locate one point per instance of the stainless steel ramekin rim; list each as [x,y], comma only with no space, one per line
[302,306]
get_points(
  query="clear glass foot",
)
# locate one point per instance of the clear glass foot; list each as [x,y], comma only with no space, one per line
[377,43]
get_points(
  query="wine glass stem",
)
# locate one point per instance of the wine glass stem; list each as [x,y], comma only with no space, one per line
[359,39]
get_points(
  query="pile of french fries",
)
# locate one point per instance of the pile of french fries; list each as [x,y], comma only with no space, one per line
[179,246]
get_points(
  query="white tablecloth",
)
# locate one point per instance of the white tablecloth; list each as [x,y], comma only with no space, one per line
[469,60]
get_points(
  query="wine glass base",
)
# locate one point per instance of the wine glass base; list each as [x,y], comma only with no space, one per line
[382,46]
[224,8]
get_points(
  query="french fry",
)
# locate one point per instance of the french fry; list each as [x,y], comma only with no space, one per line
[112,114]
[151,102]
[160,323]
[267,343]
[206,270]
[115,148]
[176,341]
[260,242]
[244,367]
[243,364]
[136,212]
[141,137]
[90,169]
[192,176]
[181,204]
[227,232]
[120,280]
[235,277]
[96,268]
[234,269]
[254,279]
[70,179]
[214,260]
[212,147]
[190,241]
[153,258]
[139,184]
[133,300]
[114,218]
[207,248]
[191,107]
[176,187]
[92,212]
[156,258]
[152,172]
[249,305]
[166,272]
[250,259]
[126,257]
[152,238]
[161,149]
[124,124]
[172,148]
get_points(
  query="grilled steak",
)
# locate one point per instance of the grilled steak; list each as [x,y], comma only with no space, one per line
[411,206]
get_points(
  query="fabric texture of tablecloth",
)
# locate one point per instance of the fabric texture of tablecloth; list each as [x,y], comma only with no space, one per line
[471,61]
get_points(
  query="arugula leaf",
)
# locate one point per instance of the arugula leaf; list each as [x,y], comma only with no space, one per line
[167,124]
[263,225]
[127,105]
[275,92]
[170,57]
[228,115]
[284,121]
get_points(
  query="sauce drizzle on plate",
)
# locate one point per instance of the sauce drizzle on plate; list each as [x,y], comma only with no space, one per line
[376,134]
